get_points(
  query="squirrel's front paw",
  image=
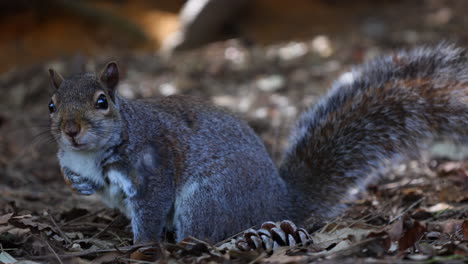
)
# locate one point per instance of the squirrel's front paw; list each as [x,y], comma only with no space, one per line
[83,186]
[78,183]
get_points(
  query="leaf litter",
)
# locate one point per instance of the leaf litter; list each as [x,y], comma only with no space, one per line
[402,233]
[418,213]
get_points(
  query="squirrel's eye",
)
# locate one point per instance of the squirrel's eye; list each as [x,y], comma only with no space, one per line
[101,102]
[51,107]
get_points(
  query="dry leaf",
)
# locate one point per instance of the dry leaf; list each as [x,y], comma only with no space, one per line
[451,226]
[396,229]
[6,258]
[336,237]
[29,222]
[465,230]
[147,253]
[439,207]
[383,238]
[4,218]
[411,236]
[421,214]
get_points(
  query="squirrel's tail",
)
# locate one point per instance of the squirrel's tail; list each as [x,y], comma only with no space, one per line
[381,113]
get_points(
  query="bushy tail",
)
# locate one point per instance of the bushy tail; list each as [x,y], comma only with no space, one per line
[380,113]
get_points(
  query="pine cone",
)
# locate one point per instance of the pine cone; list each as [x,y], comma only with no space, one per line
[270,236]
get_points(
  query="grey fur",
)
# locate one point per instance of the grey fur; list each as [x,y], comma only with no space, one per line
[210,175]
[394,106]
[183,164]
[200,146]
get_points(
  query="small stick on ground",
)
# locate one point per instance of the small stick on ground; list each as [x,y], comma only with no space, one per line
[407,209]
[83,217]
[53,251]
[104,230]
[62,234]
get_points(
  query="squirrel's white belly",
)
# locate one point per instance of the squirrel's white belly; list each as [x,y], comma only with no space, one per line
[84,164]
[87,165]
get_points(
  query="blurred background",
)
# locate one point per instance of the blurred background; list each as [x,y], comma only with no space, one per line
[265,60]
[37,31]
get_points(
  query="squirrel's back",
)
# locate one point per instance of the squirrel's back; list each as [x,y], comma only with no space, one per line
[201,131]
[378,114]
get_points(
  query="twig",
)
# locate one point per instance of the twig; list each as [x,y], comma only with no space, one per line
[91,252]
[117,249]
[104,230]
[118,237]
[62,234]
[53,251]
[82,217]
[7,249]
[407,209]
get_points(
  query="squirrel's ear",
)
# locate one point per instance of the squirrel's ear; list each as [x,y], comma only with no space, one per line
[110,75]
[55,78]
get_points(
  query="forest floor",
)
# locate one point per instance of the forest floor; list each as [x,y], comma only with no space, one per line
[416,214]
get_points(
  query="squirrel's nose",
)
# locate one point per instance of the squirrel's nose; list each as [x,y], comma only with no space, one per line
[72,129]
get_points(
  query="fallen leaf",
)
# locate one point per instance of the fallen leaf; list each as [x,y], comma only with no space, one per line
[22,216]
[29,222]
[39,247]
[342,245]
[326,239]
[439,207]
[465,230]
[147,253]
[4,218]
[383,238]
[426,249]
[418,257]
[450,193]
[448,168]
[451,226]
[421,214]
[448,227]
[411,236]
[7,258]
[396,229]
[412,194]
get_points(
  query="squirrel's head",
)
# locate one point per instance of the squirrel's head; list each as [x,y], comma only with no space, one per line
[83,109]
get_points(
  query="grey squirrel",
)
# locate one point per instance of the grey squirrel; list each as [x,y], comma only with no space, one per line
[179,163]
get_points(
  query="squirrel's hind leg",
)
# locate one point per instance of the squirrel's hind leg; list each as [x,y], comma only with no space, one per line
[227,196]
